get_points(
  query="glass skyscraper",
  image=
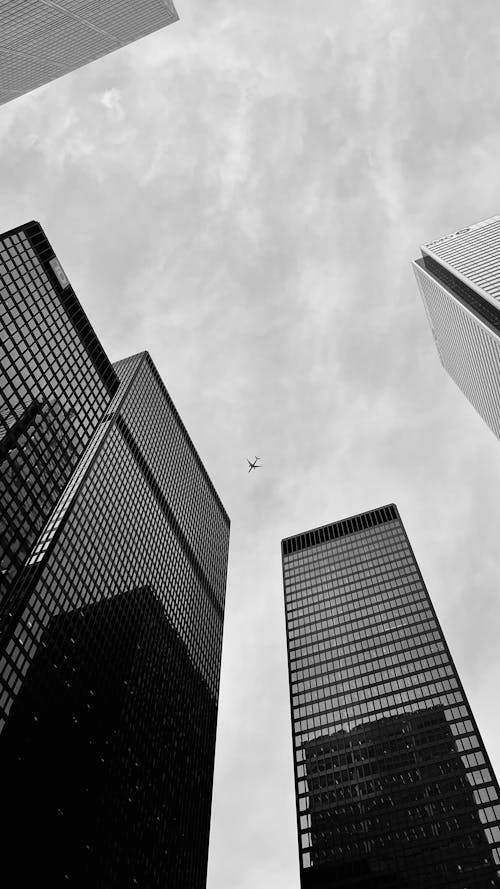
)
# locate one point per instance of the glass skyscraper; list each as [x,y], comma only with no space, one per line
[394,787]
[55,384]
[459,280]
[110,651]
[40,41]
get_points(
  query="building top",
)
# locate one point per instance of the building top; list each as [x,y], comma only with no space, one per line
[57,384]
[352,525]
[61,285]
[473,255]
[145,356]
[42,41]
[462,232]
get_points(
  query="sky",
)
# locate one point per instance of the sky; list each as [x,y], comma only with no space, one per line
[242,194]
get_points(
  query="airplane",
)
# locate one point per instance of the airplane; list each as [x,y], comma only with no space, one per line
[253,465]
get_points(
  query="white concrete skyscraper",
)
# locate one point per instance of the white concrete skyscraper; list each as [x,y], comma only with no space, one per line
[459,280]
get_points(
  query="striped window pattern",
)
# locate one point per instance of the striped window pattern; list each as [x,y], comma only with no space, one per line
[467,349]
[474,254]
[41,40]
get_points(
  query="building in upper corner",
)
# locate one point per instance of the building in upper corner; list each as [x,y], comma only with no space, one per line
[110,650]
[459,280]
[40,41]
[394,787]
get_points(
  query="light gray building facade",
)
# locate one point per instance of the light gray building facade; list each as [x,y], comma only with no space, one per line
[41,40]
[459,280]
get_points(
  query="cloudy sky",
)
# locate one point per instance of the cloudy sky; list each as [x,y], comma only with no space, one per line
[241,194]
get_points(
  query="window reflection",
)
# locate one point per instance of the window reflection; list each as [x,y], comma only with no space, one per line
[394,787]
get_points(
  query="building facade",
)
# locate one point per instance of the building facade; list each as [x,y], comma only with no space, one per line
[459,280]
[394,787]
[55,384]
[41,41]
[110,657]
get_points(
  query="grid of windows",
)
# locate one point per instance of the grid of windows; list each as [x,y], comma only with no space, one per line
[40,40]
[55,384]
[394,786]
[124,621]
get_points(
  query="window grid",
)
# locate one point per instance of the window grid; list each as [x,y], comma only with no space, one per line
[392,777]
[42,40]
[110,661]
[55,383]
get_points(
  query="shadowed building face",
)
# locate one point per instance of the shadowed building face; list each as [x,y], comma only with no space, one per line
[107,739]
[394,786]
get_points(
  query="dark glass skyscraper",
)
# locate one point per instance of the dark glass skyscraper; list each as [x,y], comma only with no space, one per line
[393,784]
[41,41]
[55,384]
[110,659]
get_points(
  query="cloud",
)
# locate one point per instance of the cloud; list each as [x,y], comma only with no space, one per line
[242,194]
[111,99]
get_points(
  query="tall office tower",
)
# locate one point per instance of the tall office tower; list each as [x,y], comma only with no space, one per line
[40,40]
[393,784]
[55,384]
[459,280]
[110,657]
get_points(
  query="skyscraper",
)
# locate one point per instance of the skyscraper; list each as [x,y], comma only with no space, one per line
[459,280]
[393,784]
[40,41]
[110,655]
[55,384]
